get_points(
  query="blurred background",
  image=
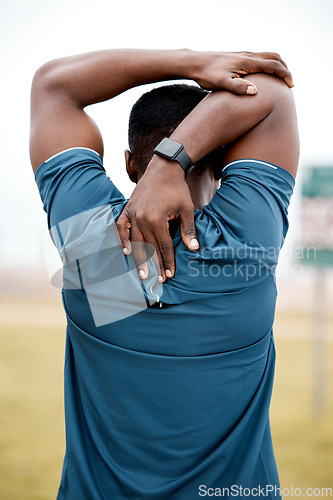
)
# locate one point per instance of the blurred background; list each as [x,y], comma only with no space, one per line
[32,323]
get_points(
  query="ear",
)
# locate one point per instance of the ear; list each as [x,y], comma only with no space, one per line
[131,166]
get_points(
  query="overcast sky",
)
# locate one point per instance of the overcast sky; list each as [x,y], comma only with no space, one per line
[35,31]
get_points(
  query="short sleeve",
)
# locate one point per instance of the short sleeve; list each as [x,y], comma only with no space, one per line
[74,181]
[252,203]
[82,204]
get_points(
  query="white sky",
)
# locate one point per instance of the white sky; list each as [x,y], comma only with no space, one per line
[34,31]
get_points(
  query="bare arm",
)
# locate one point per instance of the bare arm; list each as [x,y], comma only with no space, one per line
[62,88]
[262,128]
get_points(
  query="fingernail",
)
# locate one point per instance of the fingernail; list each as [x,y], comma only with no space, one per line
[250,90]
[126,250]
[194,243]
[168,273]
[142,274]
[160,279]
[289,81]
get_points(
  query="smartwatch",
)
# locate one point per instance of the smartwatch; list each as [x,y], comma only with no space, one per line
[175,151]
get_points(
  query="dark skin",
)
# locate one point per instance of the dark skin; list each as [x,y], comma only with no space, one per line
[262,128]
[255,115]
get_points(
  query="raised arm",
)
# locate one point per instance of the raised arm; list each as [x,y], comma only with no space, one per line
[262,128]
[62,88]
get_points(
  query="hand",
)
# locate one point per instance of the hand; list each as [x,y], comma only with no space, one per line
[161,195]
[225,70]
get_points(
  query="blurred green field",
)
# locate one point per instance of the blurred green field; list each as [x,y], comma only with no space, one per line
[31,404]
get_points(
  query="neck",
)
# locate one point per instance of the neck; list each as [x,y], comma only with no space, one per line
[202,186]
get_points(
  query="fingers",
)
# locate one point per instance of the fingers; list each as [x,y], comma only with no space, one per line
[273,56]
[188,231]
[154,252]
[158,240]
[141,243]
[123,227]
[159,245]
[266,55]
[139,251]
[273,67]
[267,62]
[165,249]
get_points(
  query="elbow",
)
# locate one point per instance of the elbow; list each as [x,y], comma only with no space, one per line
[46,77]
[274,91]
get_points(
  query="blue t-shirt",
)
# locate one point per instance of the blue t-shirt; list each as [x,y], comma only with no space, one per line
[167,387]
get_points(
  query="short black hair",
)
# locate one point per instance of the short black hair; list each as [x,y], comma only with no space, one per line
[156,114]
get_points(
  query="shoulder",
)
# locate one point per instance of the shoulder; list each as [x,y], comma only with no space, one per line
[275,139]
[73,182]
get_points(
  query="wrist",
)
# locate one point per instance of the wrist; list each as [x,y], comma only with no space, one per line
[188,63]
[194,63]
[174,151]
[165,168]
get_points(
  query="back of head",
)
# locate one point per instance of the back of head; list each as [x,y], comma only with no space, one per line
[156,115]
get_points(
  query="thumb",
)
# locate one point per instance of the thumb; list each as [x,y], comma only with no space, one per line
[188,231]
[239,86]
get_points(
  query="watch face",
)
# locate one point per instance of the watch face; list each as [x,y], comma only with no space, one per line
[169,147]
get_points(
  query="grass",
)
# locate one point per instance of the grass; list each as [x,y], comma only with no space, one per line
[303,442]
[31,406]
[31,412]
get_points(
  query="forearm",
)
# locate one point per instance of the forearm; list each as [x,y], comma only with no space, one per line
[220,119]
[98,76]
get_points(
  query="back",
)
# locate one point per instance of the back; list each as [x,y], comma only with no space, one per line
[176,395]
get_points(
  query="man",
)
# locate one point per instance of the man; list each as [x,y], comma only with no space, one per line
[168,379]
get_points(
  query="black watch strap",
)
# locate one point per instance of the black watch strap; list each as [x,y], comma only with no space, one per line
[175,151]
